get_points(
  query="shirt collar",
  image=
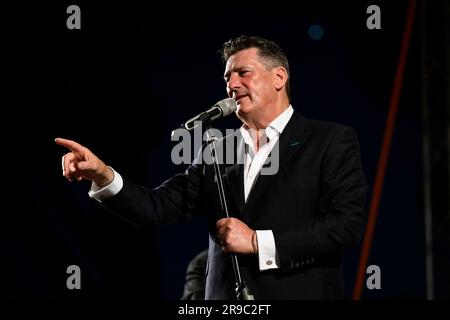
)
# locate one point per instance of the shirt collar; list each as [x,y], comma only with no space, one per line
[280,122]
[274,128]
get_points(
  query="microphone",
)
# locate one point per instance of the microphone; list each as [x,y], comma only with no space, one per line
[221,109]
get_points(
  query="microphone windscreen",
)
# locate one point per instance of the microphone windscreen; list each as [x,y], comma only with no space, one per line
[227,105]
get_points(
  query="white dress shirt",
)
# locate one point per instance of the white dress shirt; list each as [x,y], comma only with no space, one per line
[253,162]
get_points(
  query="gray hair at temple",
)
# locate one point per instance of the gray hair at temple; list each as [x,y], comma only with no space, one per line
[273,56]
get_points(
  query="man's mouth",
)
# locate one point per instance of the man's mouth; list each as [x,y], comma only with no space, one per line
[237,98]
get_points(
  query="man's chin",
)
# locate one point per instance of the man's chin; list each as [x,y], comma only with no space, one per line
[242,113]
[243,109]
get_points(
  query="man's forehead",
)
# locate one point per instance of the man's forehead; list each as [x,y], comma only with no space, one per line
[241,59]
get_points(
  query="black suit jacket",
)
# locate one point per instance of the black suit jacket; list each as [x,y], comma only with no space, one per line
[314,205]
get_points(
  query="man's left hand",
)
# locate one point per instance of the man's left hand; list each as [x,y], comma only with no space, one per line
[235,236]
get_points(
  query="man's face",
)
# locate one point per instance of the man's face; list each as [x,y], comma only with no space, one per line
[249,83]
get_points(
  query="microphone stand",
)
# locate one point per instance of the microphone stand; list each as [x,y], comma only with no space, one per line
[242,291]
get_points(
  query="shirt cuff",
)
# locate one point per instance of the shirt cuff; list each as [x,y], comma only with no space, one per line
[111,189]
[267,252]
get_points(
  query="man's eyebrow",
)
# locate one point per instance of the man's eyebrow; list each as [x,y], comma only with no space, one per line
[237,69]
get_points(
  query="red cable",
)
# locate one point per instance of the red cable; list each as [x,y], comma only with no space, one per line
[384,155]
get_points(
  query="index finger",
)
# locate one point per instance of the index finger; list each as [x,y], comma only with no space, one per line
[70,144]
[221,222]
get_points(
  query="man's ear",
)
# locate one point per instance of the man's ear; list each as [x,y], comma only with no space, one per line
[281,77]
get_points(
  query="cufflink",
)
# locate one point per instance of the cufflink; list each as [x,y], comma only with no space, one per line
[269,262]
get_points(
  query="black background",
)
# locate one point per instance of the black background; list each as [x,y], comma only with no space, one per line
[136,71]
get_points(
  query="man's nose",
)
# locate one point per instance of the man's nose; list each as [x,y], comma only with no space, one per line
[234,82]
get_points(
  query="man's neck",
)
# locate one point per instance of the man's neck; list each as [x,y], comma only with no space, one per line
[259,135]
[263,121]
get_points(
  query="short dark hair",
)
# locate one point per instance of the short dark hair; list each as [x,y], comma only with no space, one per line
[267,49]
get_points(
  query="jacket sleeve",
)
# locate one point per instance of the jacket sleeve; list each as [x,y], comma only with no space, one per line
[175,199]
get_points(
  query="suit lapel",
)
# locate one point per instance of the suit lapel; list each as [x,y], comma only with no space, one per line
[290,141]
[235,173]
